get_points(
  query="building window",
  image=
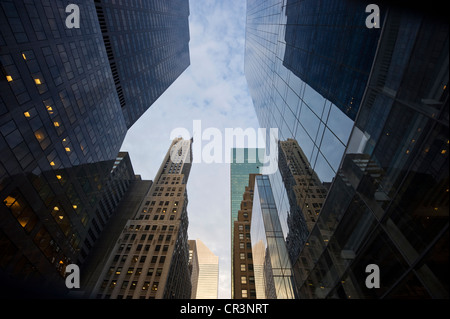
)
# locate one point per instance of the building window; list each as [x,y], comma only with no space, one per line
[242,256]
[244,293]
[242,267]
[243,279]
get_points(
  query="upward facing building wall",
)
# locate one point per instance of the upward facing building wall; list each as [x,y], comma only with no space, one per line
[304,62]
[147,44]
[150,258]
[68,97]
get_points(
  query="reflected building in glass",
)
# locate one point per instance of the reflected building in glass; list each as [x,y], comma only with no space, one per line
[386,172]
[306,194]
[389,202]
[296,97]
[62,123]
[273,271]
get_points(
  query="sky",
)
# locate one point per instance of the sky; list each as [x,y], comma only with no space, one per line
[213,90]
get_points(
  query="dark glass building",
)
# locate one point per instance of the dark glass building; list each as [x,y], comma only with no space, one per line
[147,44]
[62,122]
[386,172]
[329,47]
[285,101]
[389,202]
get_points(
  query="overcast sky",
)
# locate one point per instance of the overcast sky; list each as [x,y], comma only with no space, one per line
[213,89]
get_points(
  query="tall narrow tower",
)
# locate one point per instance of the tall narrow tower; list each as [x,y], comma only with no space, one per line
[150,258]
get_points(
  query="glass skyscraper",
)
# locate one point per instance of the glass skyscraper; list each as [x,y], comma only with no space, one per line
[389,202]
[329,47]
[386,172]
[147,45]
[63,119]
[296,97]
[273,270]
[244,162]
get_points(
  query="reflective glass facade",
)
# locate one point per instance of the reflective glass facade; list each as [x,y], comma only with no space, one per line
[386,173]
[389,202]
[329,47]
[147,43]
[304,105]
[61,128]
[272,266]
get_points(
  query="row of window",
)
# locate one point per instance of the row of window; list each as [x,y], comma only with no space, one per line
[137,259]
[126,284]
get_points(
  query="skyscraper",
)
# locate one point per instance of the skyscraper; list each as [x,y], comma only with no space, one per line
[147,45]
[329,47]
[62,121]
[305,192]
[301,92]
[150,258]
[388,205]
[204,272]
[387,171]
[245,161]
[243,270]
[273,270]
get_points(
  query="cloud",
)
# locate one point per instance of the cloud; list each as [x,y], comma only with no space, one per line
[212,89]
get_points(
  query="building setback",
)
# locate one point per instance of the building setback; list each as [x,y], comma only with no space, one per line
[150,258]
[243,272]
[63,120]
[204,266]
